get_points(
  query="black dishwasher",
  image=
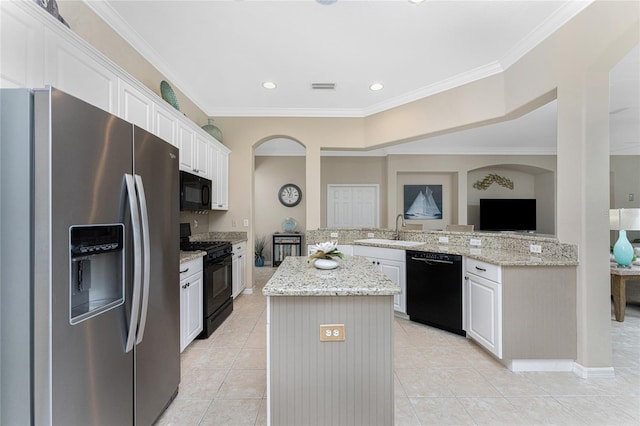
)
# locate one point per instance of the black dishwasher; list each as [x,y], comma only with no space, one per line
[434,290]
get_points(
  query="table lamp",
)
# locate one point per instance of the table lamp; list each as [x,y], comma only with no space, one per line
[627,220]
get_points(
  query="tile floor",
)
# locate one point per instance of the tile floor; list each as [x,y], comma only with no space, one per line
[440,378]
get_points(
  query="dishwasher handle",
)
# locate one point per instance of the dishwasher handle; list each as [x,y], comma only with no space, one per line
[429,261]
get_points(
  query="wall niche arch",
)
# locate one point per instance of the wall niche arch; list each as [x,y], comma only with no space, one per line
[278,160]
[514,181]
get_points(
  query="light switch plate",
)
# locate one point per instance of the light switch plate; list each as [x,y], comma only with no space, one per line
[534,248]
[475,241]
[443,239]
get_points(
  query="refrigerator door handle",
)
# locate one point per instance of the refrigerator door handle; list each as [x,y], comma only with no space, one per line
[147,257]
[137,260]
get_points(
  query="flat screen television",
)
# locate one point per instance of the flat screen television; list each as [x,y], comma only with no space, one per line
[507,214]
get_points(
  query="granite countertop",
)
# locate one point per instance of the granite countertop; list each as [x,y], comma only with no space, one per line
[490,255]
[186,256]
[355,276]
[232,237]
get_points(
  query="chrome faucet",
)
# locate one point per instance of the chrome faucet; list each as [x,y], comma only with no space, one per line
[396,235]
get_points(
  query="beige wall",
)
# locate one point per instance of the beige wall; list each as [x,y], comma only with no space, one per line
[449,182]
[270,174]
[459,168]
[572,64]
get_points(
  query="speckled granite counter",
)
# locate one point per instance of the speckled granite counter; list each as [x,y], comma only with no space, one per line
[505,249]
[232,237]
[187,256]
[355,276]
[491,255]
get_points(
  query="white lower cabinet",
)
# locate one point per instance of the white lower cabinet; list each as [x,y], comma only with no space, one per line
[191,318]
[392,263]
[483,291]
[238,267]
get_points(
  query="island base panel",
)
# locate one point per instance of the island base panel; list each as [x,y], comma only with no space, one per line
[346,382]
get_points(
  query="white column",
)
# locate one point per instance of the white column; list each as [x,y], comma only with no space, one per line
[313,186]
[583,204]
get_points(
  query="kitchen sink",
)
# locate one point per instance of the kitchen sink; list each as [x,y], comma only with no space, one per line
[398,243]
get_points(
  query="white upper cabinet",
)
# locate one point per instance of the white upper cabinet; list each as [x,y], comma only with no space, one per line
[186,142]
[220,176]
[165,125]
[134,106]
[72,69]
[22,47]
[202,159]
[37,50]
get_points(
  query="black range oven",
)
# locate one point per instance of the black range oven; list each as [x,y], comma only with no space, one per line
[217,276]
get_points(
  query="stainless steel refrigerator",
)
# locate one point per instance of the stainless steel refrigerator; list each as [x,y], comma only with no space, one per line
[89,255]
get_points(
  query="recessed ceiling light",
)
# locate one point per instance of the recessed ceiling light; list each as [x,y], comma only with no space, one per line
[269,85]
[415,1]
[376,86]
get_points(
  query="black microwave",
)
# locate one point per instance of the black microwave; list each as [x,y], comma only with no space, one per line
[195,192]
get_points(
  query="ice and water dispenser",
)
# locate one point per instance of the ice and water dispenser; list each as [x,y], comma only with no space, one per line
[97,265]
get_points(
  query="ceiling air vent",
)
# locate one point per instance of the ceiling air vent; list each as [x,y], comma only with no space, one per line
[323,86]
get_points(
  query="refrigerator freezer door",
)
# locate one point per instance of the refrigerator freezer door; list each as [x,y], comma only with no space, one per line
[81,155]
[158,353]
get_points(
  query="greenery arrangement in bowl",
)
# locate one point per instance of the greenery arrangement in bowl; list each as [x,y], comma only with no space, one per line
[260,244]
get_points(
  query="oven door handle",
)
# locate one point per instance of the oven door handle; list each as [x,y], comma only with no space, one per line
[147,257]
[137,267]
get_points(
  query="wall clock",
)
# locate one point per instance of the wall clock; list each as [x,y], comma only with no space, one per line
[290,195]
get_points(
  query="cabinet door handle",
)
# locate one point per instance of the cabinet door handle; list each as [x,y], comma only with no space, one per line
[182,272]
[185,286]
[196,170]
[481,269]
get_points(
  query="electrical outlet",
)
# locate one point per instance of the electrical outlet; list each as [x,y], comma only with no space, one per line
[245,223]
[370,235]
[475,241]
[632,196]
[475,251]
[443,240]
[534,248]
[332,332]
[334,235]
[195,223]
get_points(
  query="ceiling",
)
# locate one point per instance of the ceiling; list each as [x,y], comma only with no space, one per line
[218,53]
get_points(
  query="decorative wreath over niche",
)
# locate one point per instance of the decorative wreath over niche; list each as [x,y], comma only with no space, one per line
[491,178]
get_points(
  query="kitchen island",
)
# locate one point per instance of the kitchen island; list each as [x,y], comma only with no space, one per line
[330,344]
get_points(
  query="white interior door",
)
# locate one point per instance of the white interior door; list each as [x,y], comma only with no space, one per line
[353,206]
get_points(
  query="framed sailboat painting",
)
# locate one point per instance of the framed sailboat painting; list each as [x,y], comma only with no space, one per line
[422,202]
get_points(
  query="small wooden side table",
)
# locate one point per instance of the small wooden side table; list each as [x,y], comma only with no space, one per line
[619,278]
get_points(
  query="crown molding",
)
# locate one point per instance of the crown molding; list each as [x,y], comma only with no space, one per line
[112,18]
[106,12]
[550,25]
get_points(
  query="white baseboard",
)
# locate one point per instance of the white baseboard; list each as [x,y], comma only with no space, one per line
[521,365]
[248,290]
[593,372]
